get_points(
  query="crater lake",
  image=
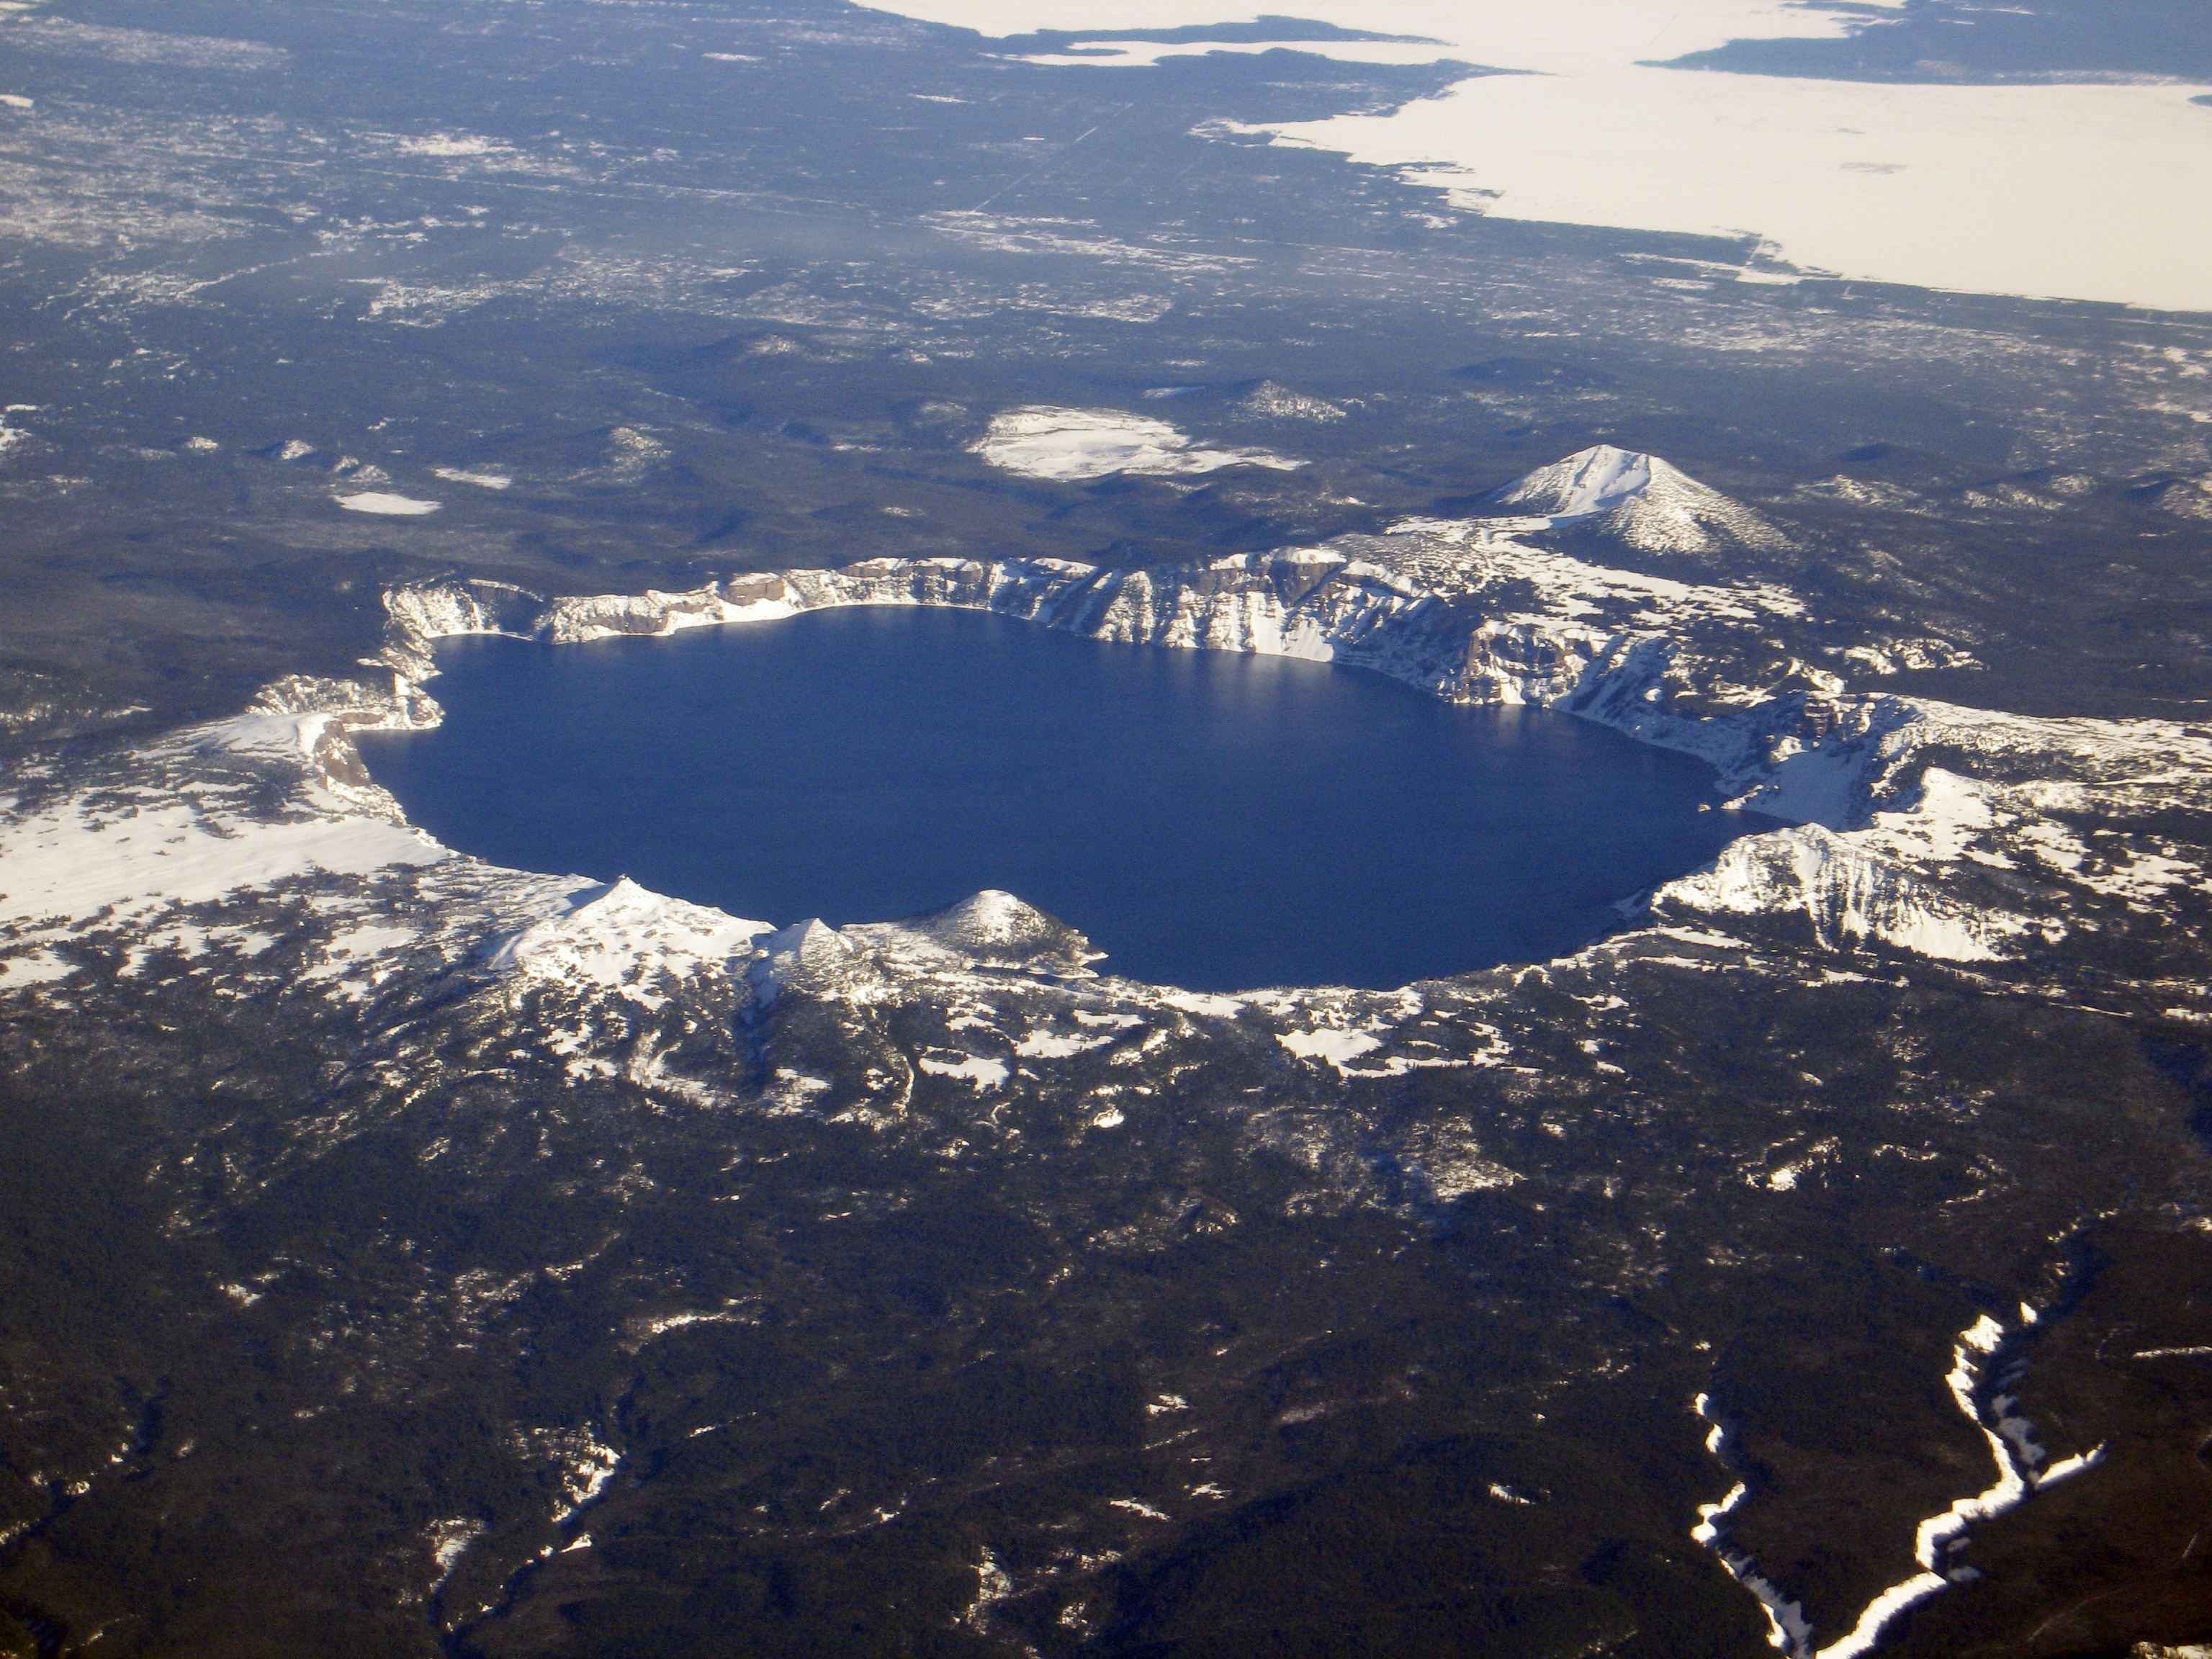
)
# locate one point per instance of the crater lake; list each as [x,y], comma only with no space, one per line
[1212,820]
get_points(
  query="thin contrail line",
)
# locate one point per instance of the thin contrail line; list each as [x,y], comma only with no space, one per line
[1050,161]
[1666,29]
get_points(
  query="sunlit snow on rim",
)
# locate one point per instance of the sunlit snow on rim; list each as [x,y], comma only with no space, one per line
[2061,192]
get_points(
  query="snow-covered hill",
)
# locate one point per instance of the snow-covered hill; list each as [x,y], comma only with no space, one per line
[1645,502]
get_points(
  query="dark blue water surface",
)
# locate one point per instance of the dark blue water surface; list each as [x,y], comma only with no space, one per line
[1211,820]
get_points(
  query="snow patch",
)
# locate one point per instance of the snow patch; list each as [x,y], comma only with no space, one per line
[1047,1045]
[1137,1506]
[1072,445]
[37,968]
[1336,1047]
[1807,787]
[72,860]
[981,1073]
[628,940]
[1269,401]
[448,1542]
[387,506]
[445,143]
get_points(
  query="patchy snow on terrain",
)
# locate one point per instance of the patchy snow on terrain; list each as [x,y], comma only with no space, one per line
[254,857]
[1335,1047]
[1270,401]
[90,857]
[1072,445]
[69,37]
[983,1073]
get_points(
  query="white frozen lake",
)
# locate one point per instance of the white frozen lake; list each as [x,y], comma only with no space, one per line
[2082,192]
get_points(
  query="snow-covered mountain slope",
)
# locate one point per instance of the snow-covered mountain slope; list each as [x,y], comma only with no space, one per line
[992,929]
[1594,480]
[1645,502]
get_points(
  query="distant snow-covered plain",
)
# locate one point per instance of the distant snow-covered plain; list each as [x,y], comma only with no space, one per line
[2063,191]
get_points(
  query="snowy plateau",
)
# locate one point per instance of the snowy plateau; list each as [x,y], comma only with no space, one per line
[1075,444]
[2035,189]
[2054,859]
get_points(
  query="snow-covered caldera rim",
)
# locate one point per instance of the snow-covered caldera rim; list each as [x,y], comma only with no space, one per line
[1920,824]
[1895,798]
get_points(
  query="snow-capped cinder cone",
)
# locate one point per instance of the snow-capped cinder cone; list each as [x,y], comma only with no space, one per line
[1638,499]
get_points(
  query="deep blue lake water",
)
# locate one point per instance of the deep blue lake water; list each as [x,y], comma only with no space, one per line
[1211,820]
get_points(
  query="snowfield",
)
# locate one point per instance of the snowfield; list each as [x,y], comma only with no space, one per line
[2060,190]
[388,506]
[1072,445]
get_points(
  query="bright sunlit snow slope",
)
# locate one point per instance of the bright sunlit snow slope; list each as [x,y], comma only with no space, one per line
[2062,191]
